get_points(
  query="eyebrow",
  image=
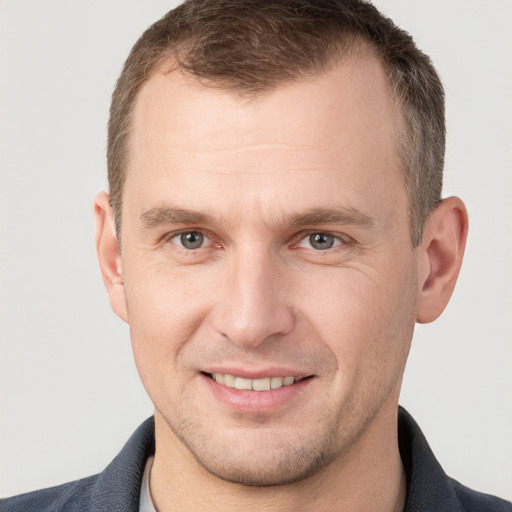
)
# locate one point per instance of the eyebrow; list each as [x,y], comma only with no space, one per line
[313,217]
[339,215]
[166,215]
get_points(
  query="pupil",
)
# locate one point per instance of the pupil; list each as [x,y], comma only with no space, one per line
[192,240]
[321,241]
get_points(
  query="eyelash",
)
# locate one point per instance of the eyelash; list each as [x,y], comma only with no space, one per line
[174,236]
[338,240]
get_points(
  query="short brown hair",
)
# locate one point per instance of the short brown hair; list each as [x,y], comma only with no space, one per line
[252,46]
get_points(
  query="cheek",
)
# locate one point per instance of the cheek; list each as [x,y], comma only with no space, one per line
[164,312]
[366,320]
[162,301]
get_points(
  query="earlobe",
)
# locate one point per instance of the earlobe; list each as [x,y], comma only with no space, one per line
[109,255]
[440,258]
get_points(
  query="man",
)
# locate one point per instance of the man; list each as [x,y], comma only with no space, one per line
[274,230]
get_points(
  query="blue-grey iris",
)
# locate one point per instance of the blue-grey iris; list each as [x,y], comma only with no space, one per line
[321,241]
[191,240]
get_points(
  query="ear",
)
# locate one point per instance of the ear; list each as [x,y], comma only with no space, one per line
[109,255]
[440,258]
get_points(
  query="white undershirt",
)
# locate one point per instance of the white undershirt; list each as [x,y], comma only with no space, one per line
[145,502]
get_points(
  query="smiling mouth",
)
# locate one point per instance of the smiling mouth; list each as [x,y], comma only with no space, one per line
[263,384]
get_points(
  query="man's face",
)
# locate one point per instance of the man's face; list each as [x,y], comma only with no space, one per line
[265,240]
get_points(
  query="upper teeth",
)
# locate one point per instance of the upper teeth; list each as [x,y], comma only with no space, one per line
[264,384]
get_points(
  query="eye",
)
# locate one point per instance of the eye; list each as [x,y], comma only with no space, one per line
[320,241]
[189,240]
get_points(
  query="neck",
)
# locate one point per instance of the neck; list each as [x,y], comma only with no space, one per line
[369,476]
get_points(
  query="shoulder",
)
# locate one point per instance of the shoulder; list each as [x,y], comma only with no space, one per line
[116,489]
[474,501]
[429,488]
[71,497]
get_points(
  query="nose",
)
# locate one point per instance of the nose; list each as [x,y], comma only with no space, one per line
[253,305]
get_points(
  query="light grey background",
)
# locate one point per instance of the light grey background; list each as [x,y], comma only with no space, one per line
[69,393]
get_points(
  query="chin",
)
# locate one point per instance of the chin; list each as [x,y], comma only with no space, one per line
[265,459]
[282,467]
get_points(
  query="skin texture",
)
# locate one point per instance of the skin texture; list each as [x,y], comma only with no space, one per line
[256,179]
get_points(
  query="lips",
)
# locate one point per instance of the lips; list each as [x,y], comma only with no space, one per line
[260,384]
[256,392]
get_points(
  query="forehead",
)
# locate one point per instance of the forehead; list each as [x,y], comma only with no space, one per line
[334,130]
[356,91]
